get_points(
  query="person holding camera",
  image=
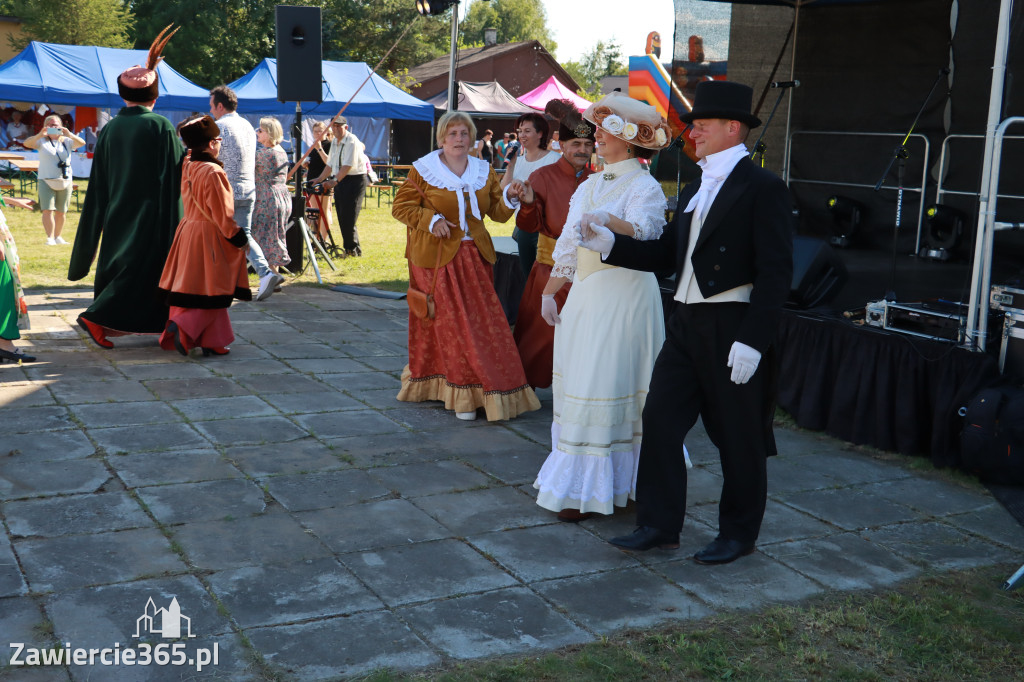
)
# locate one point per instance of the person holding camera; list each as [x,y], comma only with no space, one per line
[346,170]
[54,144]
[316,164]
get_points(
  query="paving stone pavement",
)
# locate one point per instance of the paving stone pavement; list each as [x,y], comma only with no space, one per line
[309,525]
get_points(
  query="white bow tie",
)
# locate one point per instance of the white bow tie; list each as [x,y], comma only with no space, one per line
[699,202]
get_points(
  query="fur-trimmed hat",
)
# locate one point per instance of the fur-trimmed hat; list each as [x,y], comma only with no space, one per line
[631,120]
[198,131]
[570,123]
[723,99]
[141,84]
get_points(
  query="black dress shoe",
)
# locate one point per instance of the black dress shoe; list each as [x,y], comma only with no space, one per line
[645,538]
[172,329]
[722,551]
[16,355]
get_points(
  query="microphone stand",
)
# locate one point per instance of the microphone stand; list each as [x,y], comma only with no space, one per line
[757,156]
[899,157]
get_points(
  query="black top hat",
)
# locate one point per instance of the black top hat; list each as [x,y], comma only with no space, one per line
[723,99]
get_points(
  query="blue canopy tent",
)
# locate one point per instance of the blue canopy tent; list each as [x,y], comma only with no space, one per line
[83,75]
[257,94]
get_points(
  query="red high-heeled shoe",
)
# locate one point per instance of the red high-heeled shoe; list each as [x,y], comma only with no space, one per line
[95,332]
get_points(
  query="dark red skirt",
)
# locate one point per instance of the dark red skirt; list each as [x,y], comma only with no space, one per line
[466,356]
[199,328]
[534,337]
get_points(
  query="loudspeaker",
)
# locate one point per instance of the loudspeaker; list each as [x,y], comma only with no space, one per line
[818,273]
[299,54]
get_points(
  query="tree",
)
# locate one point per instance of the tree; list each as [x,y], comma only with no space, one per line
[604,59]
[107,23]
[515,21]
[218,42]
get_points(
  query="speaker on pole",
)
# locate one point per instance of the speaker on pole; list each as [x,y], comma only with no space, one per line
[299,54]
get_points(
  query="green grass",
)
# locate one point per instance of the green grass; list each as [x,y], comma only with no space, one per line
[956,626]
[382,237]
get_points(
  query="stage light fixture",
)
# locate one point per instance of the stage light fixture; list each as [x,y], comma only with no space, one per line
[945,230]
[846,215]
[433,7]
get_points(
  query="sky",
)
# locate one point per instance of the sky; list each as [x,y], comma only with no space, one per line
[577,26]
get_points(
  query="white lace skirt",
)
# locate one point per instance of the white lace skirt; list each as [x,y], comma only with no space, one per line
[611,333]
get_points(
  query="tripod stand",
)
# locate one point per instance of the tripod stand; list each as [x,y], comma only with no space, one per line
[298,217]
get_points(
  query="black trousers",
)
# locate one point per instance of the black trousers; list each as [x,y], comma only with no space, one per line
[348,200]
[691,378]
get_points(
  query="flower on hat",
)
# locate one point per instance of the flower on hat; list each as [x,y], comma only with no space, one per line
[614,124]
[601,113]
[660,136]
[644,134]
[629,130]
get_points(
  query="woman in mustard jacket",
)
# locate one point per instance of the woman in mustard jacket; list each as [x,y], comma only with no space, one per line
[466,356]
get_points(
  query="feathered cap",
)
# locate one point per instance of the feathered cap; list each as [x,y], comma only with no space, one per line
[631,120]
[197,131]
[140,83]
[570,123]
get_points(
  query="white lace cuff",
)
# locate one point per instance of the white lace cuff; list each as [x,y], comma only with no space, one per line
[511,203]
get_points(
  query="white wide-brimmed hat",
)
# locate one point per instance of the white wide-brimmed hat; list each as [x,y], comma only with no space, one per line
[631,120]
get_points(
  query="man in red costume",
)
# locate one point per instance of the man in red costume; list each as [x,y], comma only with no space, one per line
[544,206]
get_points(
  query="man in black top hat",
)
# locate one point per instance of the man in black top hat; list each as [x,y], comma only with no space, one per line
[732,251]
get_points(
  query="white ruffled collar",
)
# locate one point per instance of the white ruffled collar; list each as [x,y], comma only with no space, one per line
[473,178]
[620,168]
[439,175]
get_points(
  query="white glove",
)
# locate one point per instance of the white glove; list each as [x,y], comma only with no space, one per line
[549,309]
[599,217]
[596,237]
[743,359]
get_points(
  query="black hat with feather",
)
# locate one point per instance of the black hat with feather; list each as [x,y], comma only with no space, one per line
[570,122]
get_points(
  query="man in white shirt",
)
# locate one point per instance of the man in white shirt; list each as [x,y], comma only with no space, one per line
[731,248]
[346,171]
[238,154]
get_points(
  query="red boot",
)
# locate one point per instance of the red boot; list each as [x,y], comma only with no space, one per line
[95,332]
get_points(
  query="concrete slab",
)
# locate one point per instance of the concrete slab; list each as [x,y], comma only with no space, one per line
[482,511]
[388,363]
[51,445]
[247,541]
[631,598]
[35,419]
[934,498]
[313,402]
[400,447]
[311,651]
[833,506]
[781,522]
[937,545]
[26,394]
[277,595]
[21,477]
[789,475]
[303,455]
[426,571]
[124,414]
[518,468]
[158,468]
[167,370]
[148,438]
[853,468]
[190,502]
[315,367]
[510,621]
[235,407]
[753,581]
[304,492]
[255,430]
[355,383]
[12,583]
[421,479]
[349,423]
[201,387]
[993,523]
[20,621]
[372,525]
[273,384]
[845,561]
[69,562]
[101,392]
[74,515]
[555,551]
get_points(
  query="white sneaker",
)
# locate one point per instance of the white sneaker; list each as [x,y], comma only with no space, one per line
[60,240]
[50,241]
[466,416]
[267,285]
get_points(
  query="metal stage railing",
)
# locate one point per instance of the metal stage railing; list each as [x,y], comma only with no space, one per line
[868,185]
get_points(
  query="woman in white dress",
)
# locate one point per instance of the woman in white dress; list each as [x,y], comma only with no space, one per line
[611,327]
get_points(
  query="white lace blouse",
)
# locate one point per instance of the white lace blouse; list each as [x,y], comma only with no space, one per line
[624,189]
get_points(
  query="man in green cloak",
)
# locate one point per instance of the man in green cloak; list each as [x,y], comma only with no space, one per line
[134,201]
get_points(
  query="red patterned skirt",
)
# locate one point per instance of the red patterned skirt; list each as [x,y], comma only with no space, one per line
[199,328]
[534,337]
[466,356]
